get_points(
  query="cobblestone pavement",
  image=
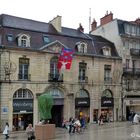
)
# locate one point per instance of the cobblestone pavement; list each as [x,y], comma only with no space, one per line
[111,131]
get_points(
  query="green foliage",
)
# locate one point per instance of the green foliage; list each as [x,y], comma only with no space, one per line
[45,103]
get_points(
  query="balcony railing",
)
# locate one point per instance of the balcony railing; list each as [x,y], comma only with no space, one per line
[135,52]
[107,79]
[24,76]
[131,71]
[83,79]
[55,77]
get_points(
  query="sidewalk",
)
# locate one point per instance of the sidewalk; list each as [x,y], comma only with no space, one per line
[21,135]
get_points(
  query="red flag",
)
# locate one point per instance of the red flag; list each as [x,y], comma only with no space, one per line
[65,59]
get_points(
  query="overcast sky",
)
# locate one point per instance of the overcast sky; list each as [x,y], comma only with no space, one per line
[73,12]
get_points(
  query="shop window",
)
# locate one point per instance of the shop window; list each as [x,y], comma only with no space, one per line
[24,69]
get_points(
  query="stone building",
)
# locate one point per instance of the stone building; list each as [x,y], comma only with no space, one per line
[29,53]
[126,37]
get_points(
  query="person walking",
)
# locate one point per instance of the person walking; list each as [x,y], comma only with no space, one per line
[30,132]
[6,131]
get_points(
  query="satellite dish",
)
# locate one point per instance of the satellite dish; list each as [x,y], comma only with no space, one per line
[10,67]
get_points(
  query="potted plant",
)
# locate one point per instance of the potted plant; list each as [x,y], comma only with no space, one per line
[44,130]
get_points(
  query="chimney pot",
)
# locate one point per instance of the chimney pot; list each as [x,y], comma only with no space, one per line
[93,25]
[80,28]
[107,18]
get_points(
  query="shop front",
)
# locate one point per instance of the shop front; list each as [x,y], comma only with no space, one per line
[132,105]
[22,113]
[82,104]
[107,105]
[22,109]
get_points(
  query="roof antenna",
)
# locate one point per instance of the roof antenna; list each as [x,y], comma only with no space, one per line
[89,19]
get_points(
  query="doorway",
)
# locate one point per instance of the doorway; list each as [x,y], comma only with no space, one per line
[57,115]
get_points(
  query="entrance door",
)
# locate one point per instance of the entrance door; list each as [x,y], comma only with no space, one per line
[57,116]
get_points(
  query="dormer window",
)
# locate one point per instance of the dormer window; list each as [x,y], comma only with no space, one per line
[81,47]
[46,39]
[24,40]
[106,51]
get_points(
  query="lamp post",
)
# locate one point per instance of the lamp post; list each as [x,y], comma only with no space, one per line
[122,97]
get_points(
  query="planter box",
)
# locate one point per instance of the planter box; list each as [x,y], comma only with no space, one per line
[45,132]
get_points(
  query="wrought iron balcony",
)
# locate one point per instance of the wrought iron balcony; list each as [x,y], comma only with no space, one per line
[107,79]
[83,79]
[24,76]
[135,52]
[55,77]
[127,71]
[131,71]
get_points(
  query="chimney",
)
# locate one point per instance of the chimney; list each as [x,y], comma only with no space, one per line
[93,25]
[107,18]
[80,28]
[137,21]
[56,22]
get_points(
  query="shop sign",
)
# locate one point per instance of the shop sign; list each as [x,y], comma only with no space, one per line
[82,102]
[107,102]
[23,105]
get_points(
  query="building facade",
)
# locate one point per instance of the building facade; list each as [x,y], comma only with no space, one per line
[29,54]
[126,37]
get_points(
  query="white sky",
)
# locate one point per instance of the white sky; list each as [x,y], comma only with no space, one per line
[73,12]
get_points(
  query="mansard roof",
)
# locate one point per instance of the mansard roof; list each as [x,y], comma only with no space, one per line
[68,36]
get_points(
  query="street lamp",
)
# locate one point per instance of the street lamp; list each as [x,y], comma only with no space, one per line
[122,96]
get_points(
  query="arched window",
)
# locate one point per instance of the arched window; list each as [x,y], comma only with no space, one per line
[107,93]
[23,94]
[81,47]
[83,94]
[106,50]
[56,93]
[24,40]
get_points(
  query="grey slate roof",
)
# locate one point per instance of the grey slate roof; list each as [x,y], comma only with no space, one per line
[69,37]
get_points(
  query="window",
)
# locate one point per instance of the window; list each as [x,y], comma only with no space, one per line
[81,47]
[24,40]
[107,93]
[46,39]
[107,73]
[10,37]
[23,93]
[127,63]
[82,72]
[54,73]
[83,94]
[56,93]
[24,69]
[0,39]
[106,51]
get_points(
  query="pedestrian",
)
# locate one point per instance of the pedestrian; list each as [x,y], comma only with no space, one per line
[6,131]
[30,132]
[100,120]
[136,119]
